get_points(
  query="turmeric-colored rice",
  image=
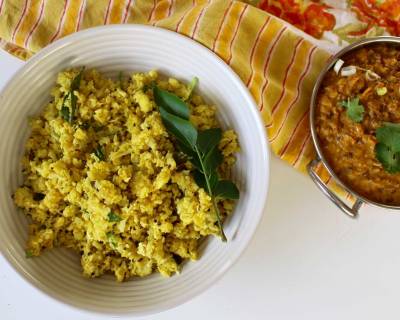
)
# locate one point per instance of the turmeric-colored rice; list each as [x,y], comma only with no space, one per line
[137,210]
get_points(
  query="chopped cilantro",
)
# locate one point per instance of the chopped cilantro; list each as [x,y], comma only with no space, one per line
[355,110]
[99,153]
[111,238]
[64,112]
[28,254]
[112,217]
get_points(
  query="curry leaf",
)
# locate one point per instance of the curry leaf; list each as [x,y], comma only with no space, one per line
[226,189]
[200,179]
[212,160]
[171,103]
[182,129]
[208,139]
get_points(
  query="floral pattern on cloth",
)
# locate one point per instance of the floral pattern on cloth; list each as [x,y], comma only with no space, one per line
[338,21]
[313,18]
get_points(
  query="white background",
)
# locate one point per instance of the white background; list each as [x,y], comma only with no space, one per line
[306,261]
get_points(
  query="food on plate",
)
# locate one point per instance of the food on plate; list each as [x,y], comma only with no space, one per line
[109,172]
[358,121]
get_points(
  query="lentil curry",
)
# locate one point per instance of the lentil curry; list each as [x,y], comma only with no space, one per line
[352,107]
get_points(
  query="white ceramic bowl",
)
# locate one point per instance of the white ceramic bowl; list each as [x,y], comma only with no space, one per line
[130,48]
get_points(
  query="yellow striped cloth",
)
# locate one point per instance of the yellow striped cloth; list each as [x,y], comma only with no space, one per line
[278,66]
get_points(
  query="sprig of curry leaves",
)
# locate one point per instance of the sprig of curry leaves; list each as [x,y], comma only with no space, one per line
[201,148]
[67,113]
[387,150]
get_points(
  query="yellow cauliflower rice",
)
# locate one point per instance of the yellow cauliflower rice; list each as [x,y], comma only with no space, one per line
[111,185]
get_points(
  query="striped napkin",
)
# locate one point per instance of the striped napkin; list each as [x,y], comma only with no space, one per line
[278,66]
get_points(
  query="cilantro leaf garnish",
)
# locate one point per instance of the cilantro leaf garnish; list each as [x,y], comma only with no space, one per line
[389,134]
[112,239]
[99,153]
[387,150]
[113,217]
[355,110]
[28,254]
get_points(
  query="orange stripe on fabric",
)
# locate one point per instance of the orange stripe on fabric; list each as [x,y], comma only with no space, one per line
[261,51]
[283,91]
[299,122]
[221,25]
[295,147]
[152,10]
[24,11]
[306,69]
[28,38]
[187,24]
[291,106]
[106,16]
[81,11]
[127,11]
[161,11]
[196,25]
[226,36]
[286,74]
[171,6]
[306,155]
[71,18]
[116,12]
[178,25]
[253,49]
[279,113]
[235,32]
[302,149]
[1,5]
[267,64]
[28,22]
[61,21]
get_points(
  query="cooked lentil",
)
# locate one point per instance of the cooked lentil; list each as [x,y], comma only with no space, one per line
[349,147]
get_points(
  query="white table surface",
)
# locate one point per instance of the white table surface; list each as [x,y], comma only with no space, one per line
[306,261]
